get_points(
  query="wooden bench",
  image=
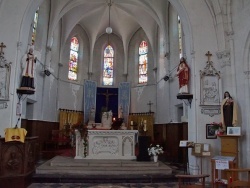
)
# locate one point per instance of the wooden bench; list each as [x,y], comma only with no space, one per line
[191,181]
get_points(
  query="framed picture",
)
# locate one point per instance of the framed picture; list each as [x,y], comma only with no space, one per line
[236,131]
[210,132]
[201,149]
[4,79]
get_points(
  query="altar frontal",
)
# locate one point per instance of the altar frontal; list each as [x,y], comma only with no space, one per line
[108,144]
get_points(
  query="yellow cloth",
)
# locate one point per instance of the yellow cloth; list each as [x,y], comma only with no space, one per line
[12,134]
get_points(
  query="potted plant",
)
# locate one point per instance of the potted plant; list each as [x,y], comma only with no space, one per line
[155,150]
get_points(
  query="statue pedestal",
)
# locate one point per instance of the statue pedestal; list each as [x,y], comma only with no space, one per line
[107,120]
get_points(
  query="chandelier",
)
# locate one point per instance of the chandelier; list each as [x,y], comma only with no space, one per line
[108,29]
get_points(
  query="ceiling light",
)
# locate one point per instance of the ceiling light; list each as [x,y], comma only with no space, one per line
[109,29]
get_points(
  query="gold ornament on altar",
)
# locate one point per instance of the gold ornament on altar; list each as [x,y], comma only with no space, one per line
[143,127]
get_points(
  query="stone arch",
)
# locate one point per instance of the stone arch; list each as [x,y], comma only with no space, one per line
[127,145]
[246,73]
[185,24]
[27,19]
[246,53]
[81,35]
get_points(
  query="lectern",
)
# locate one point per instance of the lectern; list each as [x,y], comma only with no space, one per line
[229,145]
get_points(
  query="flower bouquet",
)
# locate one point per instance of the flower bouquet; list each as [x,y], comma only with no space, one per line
[84,135]
[155,150]
[218,128]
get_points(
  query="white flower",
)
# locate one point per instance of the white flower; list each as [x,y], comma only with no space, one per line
[155,150]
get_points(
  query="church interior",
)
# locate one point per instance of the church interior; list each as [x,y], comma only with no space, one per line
[107,83]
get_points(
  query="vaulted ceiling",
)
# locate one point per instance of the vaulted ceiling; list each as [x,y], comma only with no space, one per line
[126,16]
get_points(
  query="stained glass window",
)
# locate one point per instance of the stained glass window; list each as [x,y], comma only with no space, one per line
[180,37]
[143,62]
[33,37]
[108,72]
[74,48]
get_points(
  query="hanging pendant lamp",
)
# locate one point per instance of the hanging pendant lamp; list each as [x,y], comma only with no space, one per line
[109,29]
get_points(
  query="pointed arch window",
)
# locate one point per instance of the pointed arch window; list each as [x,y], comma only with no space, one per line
[180,38]
[143,62]
[108,62]
[34,27]
[73,61]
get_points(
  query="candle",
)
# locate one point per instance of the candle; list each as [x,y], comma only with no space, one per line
[131,123]
[145,121]
[145,128]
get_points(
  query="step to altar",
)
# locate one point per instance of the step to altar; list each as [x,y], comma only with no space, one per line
[68,170]
[69,165]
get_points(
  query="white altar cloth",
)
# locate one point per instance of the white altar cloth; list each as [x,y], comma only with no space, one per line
[108,144]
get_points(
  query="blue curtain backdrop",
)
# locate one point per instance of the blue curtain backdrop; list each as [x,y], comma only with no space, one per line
[89,98]
[106,100]
[124,99]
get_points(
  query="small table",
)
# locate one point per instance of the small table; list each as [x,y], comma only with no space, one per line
[215,172]
[185,180]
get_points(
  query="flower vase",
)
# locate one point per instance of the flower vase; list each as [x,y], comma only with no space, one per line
[220,133]
[155,158]
[216,132]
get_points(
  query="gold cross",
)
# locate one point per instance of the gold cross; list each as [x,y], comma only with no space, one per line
[208,55]
[1,47]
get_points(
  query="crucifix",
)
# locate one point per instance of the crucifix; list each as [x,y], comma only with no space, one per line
[107,94]
[150,103]
[208,55]
[2,46]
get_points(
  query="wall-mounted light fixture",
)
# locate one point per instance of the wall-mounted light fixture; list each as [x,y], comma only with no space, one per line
[47,72]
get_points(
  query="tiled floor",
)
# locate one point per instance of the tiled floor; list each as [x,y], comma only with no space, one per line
[120,185]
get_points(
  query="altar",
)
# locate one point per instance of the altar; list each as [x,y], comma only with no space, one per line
[107,144]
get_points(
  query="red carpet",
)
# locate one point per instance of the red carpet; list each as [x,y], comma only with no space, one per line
[49,154]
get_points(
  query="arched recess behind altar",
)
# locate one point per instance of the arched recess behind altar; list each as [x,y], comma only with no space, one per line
[106,100]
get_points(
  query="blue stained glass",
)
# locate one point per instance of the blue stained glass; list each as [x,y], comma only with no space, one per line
[73,61]
[143,62]
[108,62]
[33,37]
